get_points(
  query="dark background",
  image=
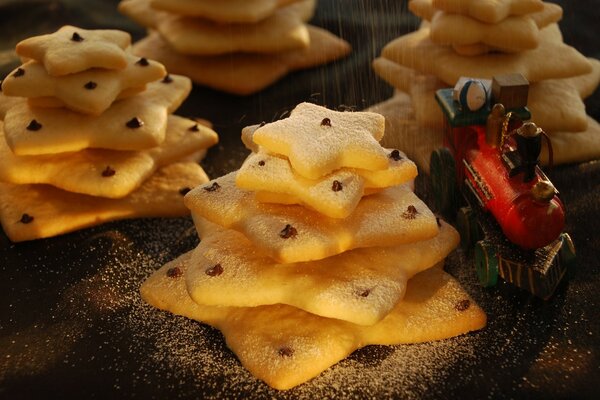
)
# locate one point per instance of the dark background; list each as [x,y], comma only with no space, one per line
[72,324]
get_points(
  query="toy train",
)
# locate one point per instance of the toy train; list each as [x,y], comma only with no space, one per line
[514,218]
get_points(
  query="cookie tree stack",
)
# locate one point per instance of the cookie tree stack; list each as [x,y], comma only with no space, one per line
[89,137]
[481,39]
[239,46]
[307,250]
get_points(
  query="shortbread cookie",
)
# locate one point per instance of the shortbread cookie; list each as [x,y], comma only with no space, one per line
[231,73]
[71,49]
[294,233]
[335,195]
[231,11]
[90,92]
[489,11]
[404,132]
[136,123]
[570,147]
[55,102]
[516,33]
[360,286]
[141,12]
[555,104]
[284,30]
[420,87]
[105,173]
[6,103]
[550,11]
[247,135]
[285,346]
[551,60]
[318,141]
[30,212]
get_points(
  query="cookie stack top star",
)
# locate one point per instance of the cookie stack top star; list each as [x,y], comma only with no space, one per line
[483,39]
[235,46]
[87,117]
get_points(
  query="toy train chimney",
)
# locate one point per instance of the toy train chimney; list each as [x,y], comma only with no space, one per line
[529,146]
[493,128]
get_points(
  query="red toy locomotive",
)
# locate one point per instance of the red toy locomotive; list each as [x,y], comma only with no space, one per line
[514,219]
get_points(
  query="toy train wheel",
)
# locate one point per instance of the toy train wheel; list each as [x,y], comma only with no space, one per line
[443,182]
[567,250]
[467,226]
[486,263]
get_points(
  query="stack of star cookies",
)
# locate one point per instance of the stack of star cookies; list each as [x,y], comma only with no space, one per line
[239,46]
[88,136]
[315,247]
[481,39]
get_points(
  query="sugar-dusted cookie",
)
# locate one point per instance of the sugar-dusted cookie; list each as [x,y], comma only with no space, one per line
[284,30]
[136,123]
[360,286]
[90,92]
[334,195]
[105,173]
[318,141]
[30,212]
[489,11]
[285,346]
[552,59]
[292,233]
[72,49]
[229,11]
[244,74]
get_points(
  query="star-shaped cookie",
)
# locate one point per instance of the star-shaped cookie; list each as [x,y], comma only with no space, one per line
[230,11]
[360,286]
[318,141]
[489,11]
[285,346]
[135,123]
[284,30]
[71,49]
[89,92]
[105,173]
[552,59]
[334,195]
[230,72]
[290,233]
[50,211]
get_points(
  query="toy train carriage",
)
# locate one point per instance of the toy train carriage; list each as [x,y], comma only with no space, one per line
[490,160]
